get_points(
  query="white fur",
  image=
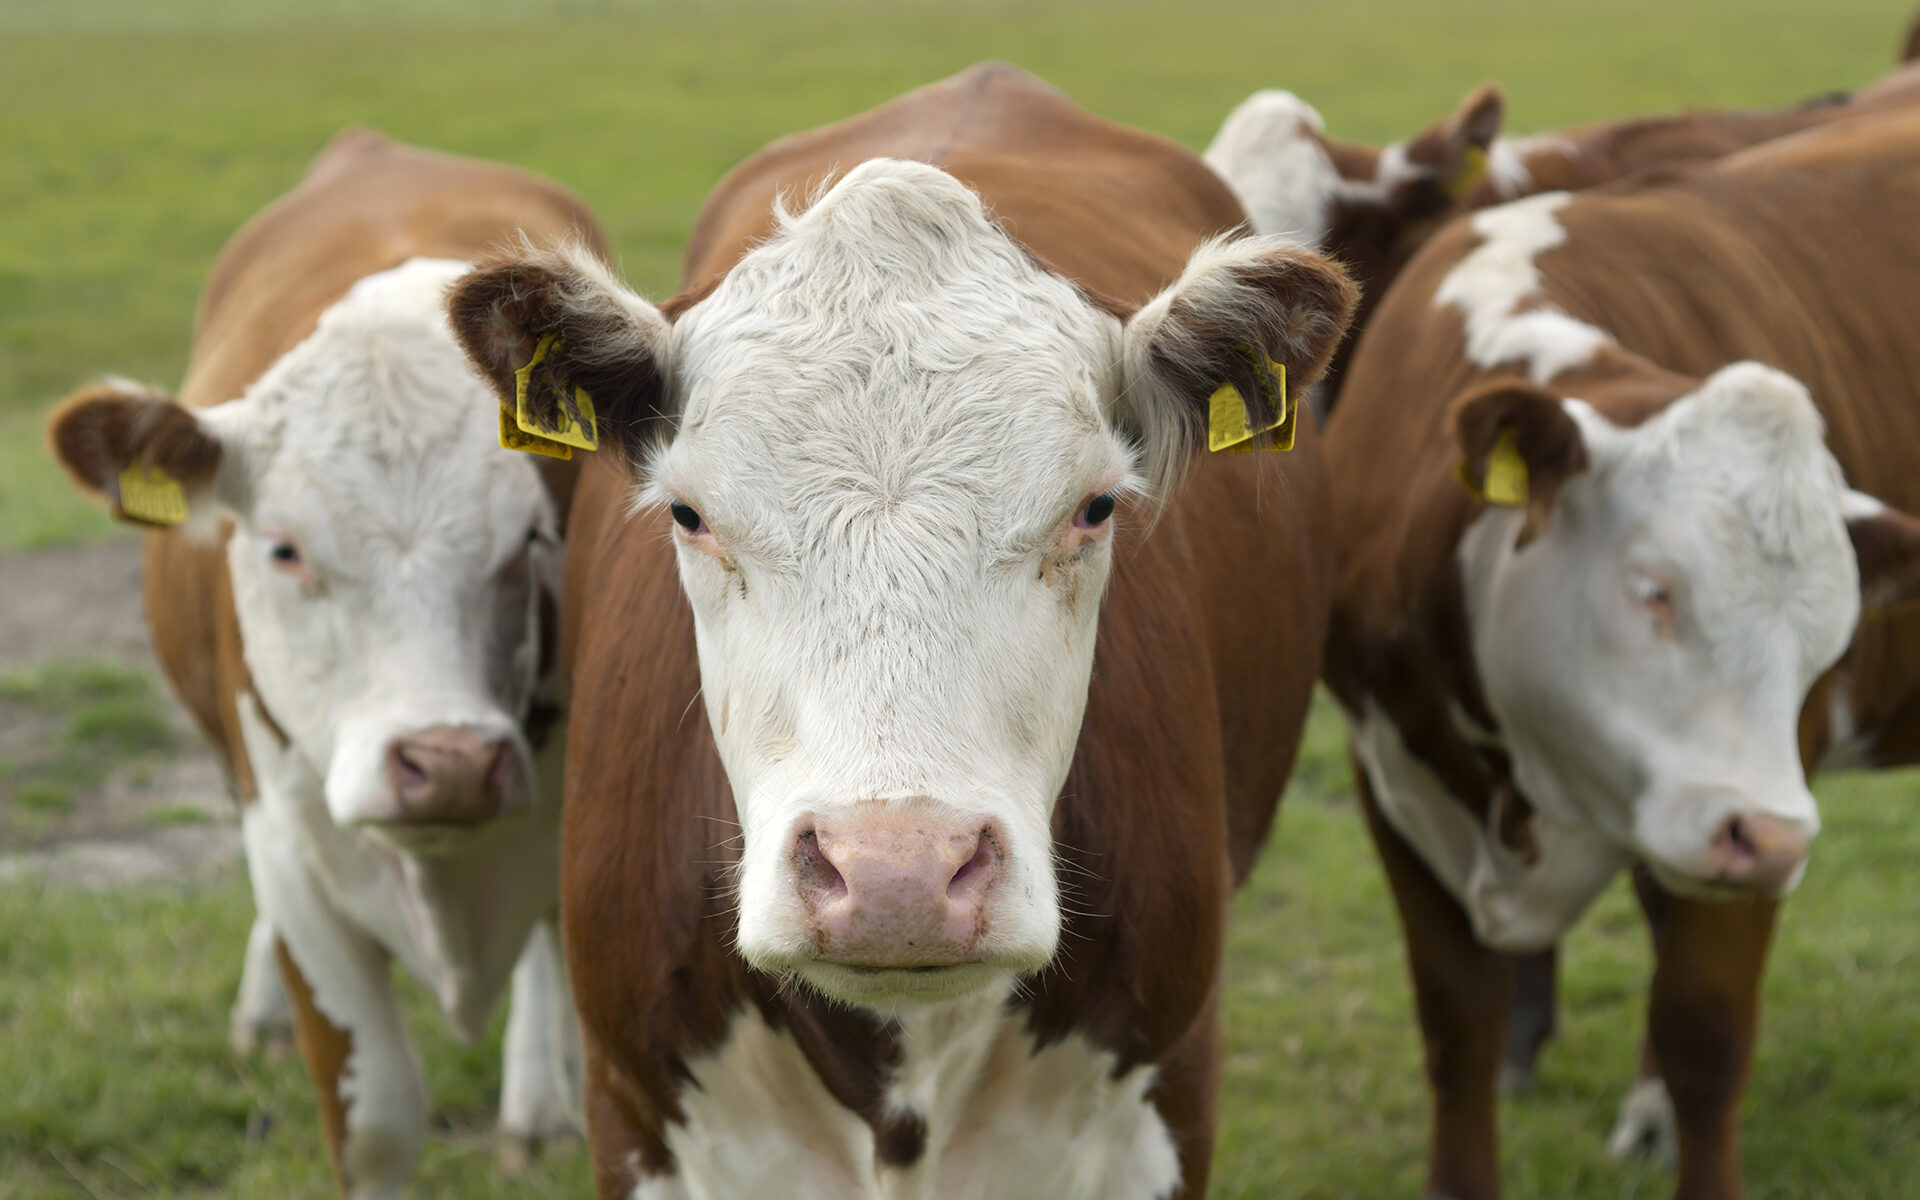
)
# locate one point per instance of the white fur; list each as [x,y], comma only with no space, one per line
[1492,282]
[1514,906]
[372,447]
[261,1013]
[1646,1127]
[1004,1121]
[1509,161]
[540,1074]
[1730,501]
[888,418]
[1269,152]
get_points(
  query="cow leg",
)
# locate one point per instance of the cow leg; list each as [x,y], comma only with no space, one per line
[1463,992]
[1702,1022]
[1536,980]
[1644,1127]
[540,1074]
[262,1018]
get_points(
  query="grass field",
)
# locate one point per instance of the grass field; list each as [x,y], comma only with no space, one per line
[137,136]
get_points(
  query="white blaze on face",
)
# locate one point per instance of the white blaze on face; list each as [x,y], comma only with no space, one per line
[389,554]
[1269,152]
[893,425]
[1648,652]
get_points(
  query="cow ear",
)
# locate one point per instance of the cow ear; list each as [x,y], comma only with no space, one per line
[150,458]
[1452,153]
[1886,543]
[1238,305]
[1518,446]
[600,337]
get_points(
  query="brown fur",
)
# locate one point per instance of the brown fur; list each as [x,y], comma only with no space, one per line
[1376,239]
[1202,678]
[326,1048]
[367,204]
[1797,253]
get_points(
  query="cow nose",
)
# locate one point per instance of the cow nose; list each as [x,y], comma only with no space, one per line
[1760,851]
[450,776]
[897,889]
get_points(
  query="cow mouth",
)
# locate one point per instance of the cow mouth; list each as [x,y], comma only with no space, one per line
[900,987]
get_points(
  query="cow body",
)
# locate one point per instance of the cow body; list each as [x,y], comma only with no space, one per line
[1487,737]
[1016,1071]
[1374,207]
[353,613]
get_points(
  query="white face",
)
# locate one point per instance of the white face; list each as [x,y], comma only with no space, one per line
[387,564]
[1647,654]
[1269,152]
[885,493]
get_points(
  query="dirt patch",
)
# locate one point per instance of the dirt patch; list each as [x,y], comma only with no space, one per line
[103,781]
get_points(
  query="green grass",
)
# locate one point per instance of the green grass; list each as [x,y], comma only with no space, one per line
[139,135]
[113,1022]
[95,716]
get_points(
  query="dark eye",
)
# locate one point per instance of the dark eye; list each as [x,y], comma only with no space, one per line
[285,554]
[685,517]
[1096,512]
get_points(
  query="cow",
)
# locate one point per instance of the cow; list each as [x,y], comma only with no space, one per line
[1372,207]
[352,586]
[1618,643]
[997,707]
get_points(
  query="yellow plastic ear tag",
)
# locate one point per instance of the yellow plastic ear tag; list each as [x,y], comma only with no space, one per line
[1506,477]
[152,497]
[1472,169]
[512,438]
[1227,409]
[569,429]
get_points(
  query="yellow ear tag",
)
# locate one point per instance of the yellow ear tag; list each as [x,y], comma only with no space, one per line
[1227,409]
[511,438]
[1506,478]
[578,431]
[1472,169]
[152,497]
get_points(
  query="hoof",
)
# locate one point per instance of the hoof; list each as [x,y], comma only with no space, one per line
[270,1041]
[515,1152]
[1645,1128]
[1517,1079]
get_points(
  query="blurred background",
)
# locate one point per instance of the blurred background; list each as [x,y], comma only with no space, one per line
[137,135]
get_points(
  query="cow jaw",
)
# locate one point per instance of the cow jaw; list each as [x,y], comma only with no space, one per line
[387,564]
[1648,650]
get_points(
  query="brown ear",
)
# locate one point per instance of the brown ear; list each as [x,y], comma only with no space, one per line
[1236,301]
[1542,433]
[1886,543]
[1451,154]
[610,342]
[102,430]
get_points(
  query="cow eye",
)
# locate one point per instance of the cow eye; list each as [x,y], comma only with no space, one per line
[1657,599]
[686,518]
[285,554]
[1095,514]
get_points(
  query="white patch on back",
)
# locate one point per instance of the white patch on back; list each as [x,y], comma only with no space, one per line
[1507,159]
[1267,152]
[1497,277]
[1003,1122]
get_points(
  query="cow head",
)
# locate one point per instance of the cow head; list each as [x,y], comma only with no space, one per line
[387,556]
[1648,620]
[891,450]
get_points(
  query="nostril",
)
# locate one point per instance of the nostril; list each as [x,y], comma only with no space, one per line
[973,874]
[1739,839]
[820,881]
[406,772]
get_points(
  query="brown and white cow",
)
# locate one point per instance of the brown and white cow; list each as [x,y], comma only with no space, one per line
[1372,207]
[1609,666]
[358,612]
[931,903]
